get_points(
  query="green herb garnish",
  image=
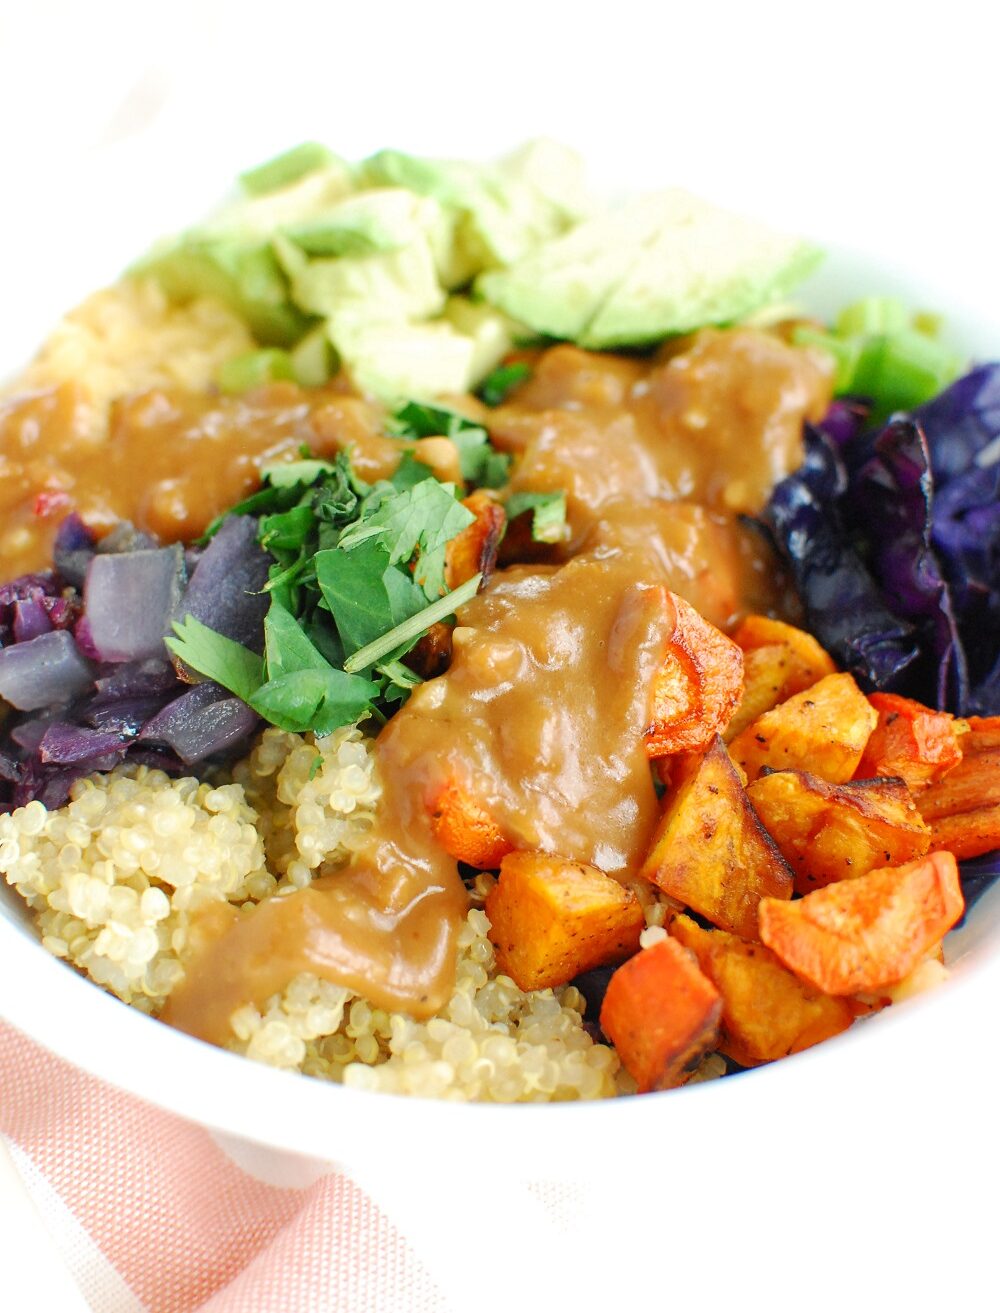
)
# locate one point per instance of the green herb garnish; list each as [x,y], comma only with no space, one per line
[482,465]
[358,576]
[548,514]
[496,387]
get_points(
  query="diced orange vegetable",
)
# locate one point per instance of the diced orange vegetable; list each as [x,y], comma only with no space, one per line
[697,688]
[858,935]
[808,663]
[767,1011]
[779,661]
[829,832]
[475,548]
[911,741]
[661,1014]
[466,830]
[823,729]
[963,808]
[710,850]
[551,918]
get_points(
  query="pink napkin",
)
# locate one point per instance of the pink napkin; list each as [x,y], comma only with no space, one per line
[175,1224]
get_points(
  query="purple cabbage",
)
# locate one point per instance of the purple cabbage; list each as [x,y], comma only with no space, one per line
[201,723]
[893,539]
[43,671]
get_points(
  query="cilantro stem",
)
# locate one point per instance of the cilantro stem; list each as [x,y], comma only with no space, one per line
[413,627]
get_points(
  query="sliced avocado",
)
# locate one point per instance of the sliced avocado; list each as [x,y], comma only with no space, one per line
[383,219]
[390,286]
[559,288]
[255,218]
[501,211]
[285,168]
[397,361]
[247,278]
[313,359]
[704,266]
[556,172]
[492,334]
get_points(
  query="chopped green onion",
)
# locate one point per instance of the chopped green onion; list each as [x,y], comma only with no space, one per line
[413,627]
[254,369]
[285,168]
[873,314]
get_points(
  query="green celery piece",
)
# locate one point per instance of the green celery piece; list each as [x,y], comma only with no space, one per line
[548,513]
[413,627]
[426,515]
[216,657]
[902,370]
[497,385]
[285,168]
[253,369]
[845,353]
[872,314]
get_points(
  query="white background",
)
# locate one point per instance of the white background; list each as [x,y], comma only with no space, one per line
[872,124]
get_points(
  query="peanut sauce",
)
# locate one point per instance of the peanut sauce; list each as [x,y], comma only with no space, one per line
[542,710]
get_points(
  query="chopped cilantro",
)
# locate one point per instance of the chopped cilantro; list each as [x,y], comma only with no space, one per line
[481,464]
[548,514]
[495,387]
[358,576]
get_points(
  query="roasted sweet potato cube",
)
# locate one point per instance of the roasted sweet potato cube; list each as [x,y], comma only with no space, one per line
[764,686]
[767,1011]
[829,832]
[911,741]
[465,829]
[710,850]
[963,808]
[475,548]
[823,729]
[807,662]
[697,688]
[552,918]
[662,1014]
[858,935]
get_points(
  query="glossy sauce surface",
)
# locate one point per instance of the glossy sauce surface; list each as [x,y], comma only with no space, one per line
[541,713]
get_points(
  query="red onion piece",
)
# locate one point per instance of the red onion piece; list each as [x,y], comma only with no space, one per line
[200,723]
[129,598]
[43,672]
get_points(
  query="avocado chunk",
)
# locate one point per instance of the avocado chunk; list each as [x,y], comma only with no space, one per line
[383,219]
[246,277]
[560,286]
[385,287]
[397,361]
[705,266]
[662,264]
[285,168]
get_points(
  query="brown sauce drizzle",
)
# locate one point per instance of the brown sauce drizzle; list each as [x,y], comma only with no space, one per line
[541,712]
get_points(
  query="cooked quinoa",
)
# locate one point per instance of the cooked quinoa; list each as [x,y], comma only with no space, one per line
[128,338]
[116,877]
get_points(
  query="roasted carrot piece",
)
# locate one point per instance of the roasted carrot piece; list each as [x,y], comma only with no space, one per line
[661,1013]
[859,935]
[697,688]
[475,548]
[552,918]
[710,850]
[767,1011]
[963,808]
[823,729]
[828,832]
[911,741]
[466,830]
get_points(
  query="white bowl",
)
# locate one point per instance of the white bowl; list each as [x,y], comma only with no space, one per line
[878,1109]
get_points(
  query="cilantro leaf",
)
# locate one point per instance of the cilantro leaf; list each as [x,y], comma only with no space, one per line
[320,700]
[216,657]
[388,643]
[548,514]
[426,516]
[496,386]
